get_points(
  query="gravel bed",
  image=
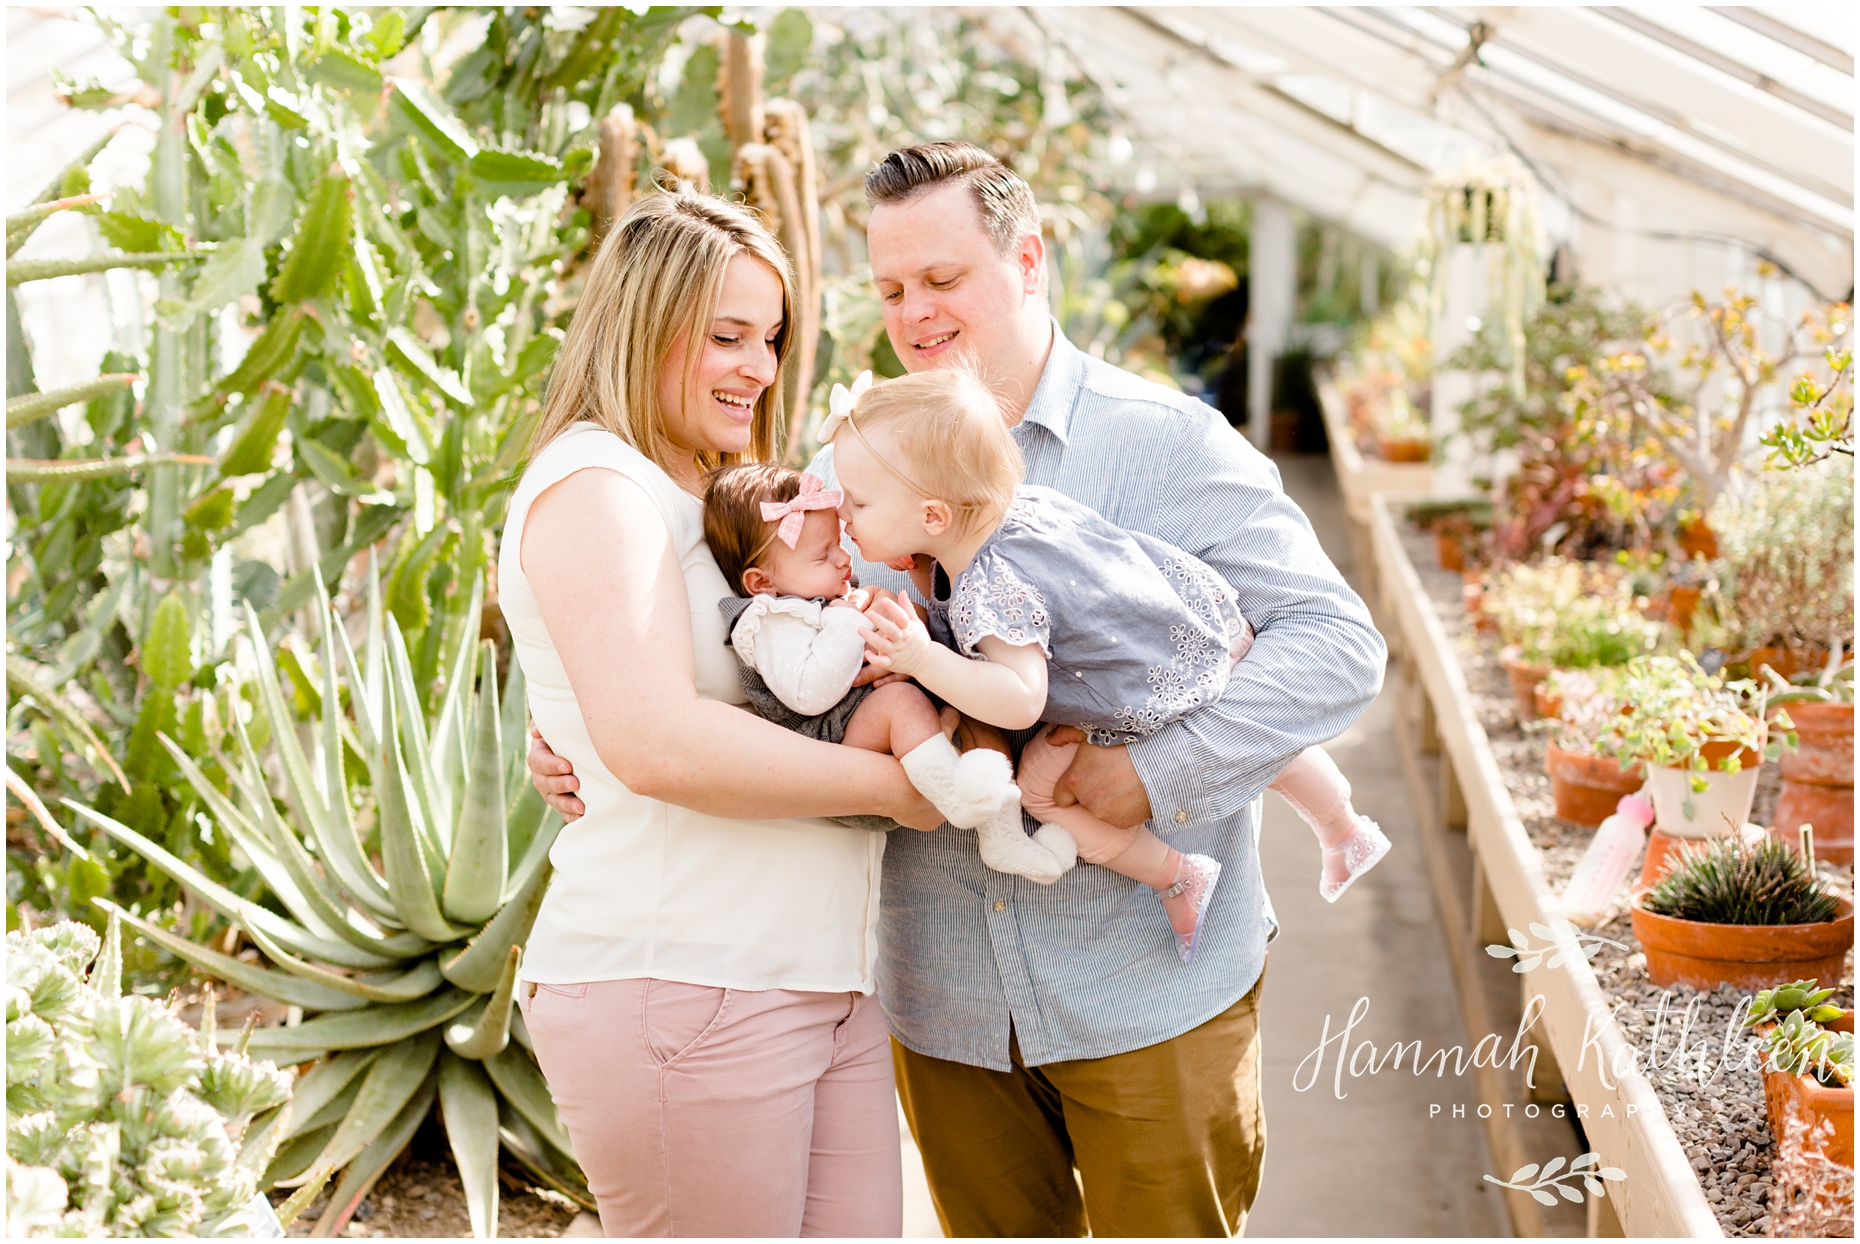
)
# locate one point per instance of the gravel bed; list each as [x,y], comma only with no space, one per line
[423,1199]
[1714,1099]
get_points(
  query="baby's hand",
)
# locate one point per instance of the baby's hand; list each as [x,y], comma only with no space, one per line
[896,639]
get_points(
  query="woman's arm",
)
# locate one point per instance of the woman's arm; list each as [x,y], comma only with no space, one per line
[600,560]
[1006,690]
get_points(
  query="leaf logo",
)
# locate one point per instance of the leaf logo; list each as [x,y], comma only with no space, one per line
[1552,1175]
[1563,942]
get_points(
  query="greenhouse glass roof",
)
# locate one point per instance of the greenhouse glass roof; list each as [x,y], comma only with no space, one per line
[1684,124]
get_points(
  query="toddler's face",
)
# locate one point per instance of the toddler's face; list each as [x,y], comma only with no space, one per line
[884,517]
[815,566]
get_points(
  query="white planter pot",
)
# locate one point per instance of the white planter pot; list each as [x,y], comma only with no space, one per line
[1723,806]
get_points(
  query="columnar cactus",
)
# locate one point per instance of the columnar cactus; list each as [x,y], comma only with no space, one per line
[121,1120]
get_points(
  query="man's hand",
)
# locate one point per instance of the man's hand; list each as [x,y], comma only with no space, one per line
[1102,780]
[898,642]
[554,777]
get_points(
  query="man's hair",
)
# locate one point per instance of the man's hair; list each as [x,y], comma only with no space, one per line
[734,528]
[1005,202]
[949,439]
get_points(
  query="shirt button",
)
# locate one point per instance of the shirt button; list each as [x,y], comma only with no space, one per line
[1180,816]
[1000,904]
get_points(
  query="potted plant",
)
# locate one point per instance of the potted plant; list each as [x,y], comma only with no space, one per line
[1818,774]
[1808,1067]
[1456,526]
[1701,739]
[1565,614]
[1402,434]
[1587,784]
[1743,910]
[1785,567]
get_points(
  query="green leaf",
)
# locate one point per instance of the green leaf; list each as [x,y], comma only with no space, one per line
[331,467]
[257,438]
[321,249]
[517,1078]
[323,1084]
[468,1103]
[406,348]
[166,658]
[210,511]
[129,231]
[402,423]
[479,966]
[249,977]
[368,1165]
[267,355]
[391,1082]
[350,1030]
[336,68]
[234,271]
[480,862]
[402,853]
[19,271]
[514,173]
[416,108]
[487,1032]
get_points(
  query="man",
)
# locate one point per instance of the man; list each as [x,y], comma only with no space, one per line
[1041,1030]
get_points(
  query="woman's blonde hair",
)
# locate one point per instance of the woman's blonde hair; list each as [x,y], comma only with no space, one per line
[950,439]
[655,279]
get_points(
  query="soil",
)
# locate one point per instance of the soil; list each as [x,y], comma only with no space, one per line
[1713,1096]
[420,1197]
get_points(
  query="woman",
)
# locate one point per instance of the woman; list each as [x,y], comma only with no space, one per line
[699,982]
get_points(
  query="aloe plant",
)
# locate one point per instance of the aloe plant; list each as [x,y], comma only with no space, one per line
[403,956]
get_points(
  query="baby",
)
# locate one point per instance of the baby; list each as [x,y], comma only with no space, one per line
[1056,616]
[797,628]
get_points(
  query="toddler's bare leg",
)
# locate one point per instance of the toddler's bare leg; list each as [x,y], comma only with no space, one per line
[895,718]
[1320,794]
[967,789]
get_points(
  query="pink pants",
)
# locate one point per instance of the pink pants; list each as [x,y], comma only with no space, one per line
[1311,783]
[698,1111]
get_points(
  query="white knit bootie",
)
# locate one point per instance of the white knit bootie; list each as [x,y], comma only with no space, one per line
[1058,839]
[1006,848]
[966,787]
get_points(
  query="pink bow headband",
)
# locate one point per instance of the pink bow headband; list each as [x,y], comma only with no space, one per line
[813,496]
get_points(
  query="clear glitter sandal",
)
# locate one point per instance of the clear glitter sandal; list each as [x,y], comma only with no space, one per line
[1361,851]
[1195,879]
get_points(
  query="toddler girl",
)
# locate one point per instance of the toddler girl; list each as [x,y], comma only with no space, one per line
[1074,622]
[796,626]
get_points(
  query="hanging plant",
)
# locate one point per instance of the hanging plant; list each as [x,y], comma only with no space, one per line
[1490,203]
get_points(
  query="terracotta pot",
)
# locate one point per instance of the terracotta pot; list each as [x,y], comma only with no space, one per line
[1830,809]
[1747,956]
[1587,787]
[1472,595]
[1681,603]
[1452,553]
[1824,751]
[1661,848]
[1698,540]
[1548,703]
[1785,661]
[1811,1101]
[1403,449]
[1524,679]
[1721,808]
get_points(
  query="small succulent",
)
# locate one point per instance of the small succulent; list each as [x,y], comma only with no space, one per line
[1671,710]
[1786,999]
[1734,881]
[120,1120]
[1799,1047]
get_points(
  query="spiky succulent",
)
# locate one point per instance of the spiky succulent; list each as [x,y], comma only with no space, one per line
[1733,881]
[404,953]
[120,1120]
[1795,996]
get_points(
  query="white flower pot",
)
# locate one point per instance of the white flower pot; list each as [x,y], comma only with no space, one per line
[1723,806]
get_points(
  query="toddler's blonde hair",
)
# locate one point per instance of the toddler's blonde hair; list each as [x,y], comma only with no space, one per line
[949,439]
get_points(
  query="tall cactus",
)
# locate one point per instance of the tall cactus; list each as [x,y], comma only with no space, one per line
[406,955]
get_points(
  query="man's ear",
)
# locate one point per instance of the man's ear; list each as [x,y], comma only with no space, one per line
[1031,260]
[938,517]
[758,582]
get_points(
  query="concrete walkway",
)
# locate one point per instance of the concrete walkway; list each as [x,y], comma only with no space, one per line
[1378,1162]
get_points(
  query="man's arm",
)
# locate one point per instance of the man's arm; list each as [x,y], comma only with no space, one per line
[1315,665]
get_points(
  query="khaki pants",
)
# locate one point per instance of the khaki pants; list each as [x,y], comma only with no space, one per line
[1167,1139]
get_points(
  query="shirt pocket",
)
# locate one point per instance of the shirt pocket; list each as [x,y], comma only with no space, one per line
[677,1018]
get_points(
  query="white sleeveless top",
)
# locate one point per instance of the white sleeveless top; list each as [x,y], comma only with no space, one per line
[645,888]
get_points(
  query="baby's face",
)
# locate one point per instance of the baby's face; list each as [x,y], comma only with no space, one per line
[816,565]
[883,515]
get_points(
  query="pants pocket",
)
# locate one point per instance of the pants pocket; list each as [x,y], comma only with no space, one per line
[675,1018]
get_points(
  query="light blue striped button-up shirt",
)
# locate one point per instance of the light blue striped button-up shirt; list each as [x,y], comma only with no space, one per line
[1087,967]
